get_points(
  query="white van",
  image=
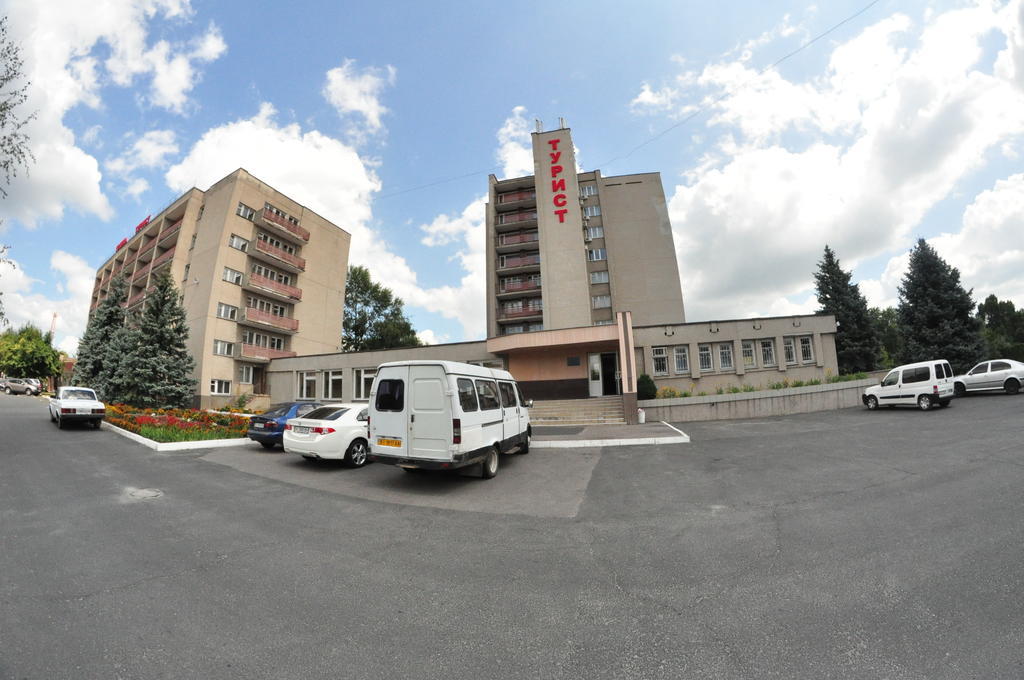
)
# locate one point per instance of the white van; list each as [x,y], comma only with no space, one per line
[923,384]
[445,414]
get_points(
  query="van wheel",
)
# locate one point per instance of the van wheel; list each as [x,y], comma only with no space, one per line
[489,467]
[924,402]
[872,403]
[356,454]
[525,446]
[959,390]
[1011,386]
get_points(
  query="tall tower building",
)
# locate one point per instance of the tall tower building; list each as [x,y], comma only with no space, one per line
[262,277]
[570,250]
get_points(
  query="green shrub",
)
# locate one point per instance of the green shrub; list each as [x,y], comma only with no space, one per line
[668,393]
[702,394]
[720,390]
[645,387]
[734,390]
[797,383]
[848,377]
[748,388]
[814,381]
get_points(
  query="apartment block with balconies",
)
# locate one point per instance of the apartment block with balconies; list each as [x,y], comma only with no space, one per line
[262,277]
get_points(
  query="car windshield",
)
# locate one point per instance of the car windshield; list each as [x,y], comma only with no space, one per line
[326,413]
[276,410]
[79,394]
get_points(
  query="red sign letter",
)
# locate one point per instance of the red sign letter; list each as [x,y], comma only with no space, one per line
[558,185]
[554,144]
[556,170]
[559,200]
[561,214]
[555,156]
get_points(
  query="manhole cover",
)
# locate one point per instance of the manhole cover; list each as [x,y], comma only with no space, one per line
[145,494]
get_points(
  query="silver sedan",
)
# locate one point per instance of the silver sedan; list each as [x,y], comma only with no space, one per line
[994,374]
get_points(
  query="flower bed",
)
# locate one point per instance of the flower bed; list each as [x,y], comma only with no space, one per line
[176,425]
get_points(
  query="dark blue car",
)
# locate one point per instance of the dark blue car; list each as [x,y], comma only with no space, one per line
[268,427]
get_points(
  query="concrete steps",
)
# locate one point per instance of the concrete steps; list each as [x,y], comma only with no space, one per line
[593,411]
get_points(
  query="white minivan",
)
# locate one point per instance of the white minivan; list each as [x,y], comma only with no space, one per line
[924,384]
[445,414]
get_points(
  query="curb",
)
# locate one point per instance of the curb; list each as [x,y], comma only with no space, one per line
[595,443]
[176,446]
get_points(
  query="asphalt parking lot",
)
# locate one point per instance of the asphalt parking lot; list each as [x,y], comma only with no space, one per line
[838,544]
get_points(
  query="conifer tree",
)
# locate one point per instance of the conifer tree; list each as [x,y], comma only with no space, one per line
[122,382]
[90,368]
[936,314]
[857,346]
[163,363]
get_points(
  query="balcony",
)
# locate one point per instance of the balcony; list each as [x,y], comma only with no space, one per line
[139,297]
[252,316]
[516,200]
[166,257]
[516,241]
[516,220]
[141,273]
[265,251]
[274,288]
[170,233]
[520,314]
[521,262]
[282,226]
[511,288]
[257,353]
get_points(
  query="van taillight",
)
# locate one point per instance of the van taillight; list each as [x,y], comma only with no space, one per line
[456,431]
[935,389]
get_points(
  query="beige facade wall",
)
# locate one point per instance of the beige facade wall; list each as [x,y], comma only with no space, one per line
[642,262]
[812,338]
[200,249]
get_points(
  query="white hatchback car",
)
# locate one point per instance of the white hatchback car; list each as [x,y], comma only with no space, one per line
[993,374]
[924,384]
[330,432]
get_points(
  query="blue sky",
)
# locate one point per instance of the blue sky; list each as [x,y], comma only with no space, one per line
[904,122]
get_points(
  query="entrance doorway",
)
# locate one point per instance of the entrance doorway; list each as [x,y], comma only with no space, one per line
[604,374]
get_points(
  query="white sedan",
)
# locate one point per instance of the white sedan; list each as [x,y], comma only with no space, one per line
[76,405]
[330,432]
[993,374]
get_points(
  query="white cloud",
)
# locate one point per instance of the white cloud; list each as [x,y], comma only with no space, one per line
[22,306]
[515,149]
[429,337]
[854,158]
[62,43]
[352,91]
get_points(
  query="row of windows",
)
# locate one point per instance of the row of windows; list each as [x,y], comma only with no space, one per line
[474,395]
[248,213]
[234,276]
[515,329]
[332,383]
[230,312]
[755,353]
[592,211]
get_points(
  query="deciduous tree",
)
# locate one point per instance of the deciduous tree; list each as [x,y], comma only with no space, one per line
[28,353]
[374,318]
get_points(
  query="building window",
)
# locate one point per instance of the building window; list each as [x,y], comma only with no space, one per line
[307,385]
[601,301]
[705,358]
[332,384]
[596,255]
[272,274]
[238,243]
[192,243]
[364,381]
[725,356]
[184,279]
[280,213]
[588,190]
[603,322]
[277,243]
[246,212]
[220,386]
[592,210]
[767,352]
[595,232]
[599,277]
[748,355]
[232,276]
[789,350]
[245,374]
[806,349]
[513,329]
[659,355]
[226,311]
[224,348]
[682,355]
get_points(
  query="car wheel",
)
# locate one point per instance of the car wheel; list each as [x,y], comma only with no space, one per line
[268,445]
[7,390]
[60,423]
[96,424]
[356,454]
[53,418]
[872,403]
[959,390]
[924,402]
[1011,386]
[489,467]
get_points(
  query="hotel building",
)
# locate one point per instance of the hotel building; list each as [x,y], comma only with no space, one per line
[583,295]
[261,276]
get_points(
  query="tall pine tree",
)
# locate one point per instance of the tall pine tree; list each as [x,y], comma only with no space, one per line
[163,363]
[936,314]
[90,368]
[857,346]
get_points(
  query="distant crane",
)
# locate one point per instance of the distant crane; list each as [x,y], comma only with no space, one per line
[53,324]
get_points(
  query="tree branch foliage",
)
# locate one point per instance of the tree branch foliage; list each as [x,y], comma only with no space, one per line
[857,347]
[374,318]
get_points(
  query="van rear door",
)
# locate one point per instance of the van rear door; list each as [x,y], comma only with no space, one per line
[389,421]
[430,413]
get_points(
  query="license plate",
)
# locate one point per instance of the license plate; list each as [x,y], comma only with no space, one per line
[258,426]
[85,410]
[300,429]
[388,442]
